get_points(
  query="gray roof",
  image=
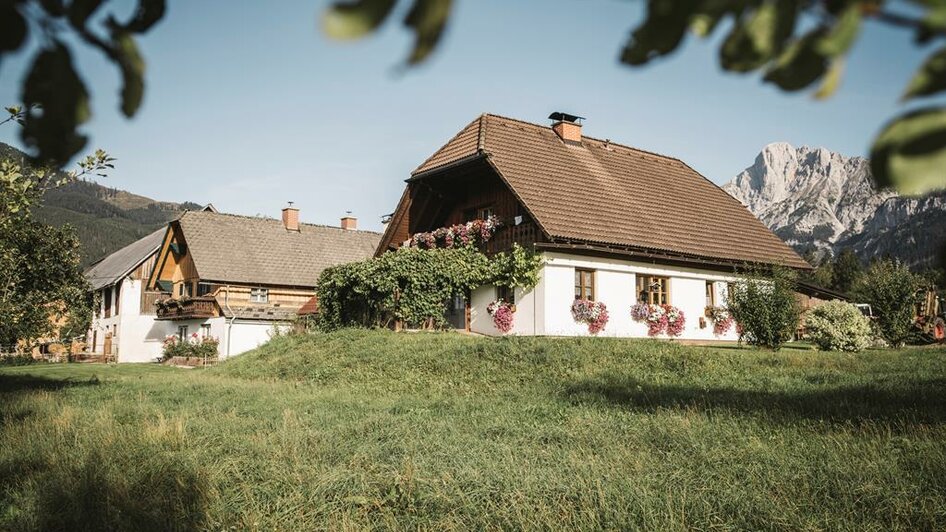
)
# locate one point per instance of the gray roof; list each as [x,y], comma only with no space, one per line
[248,250]
[116,266]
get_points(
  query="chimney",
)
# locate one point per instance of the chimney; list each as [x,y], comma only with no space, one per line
[567,127]
[290,218]
[349,222]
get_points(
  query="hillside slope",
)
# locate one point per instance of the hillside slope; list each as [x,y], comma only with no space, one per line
[106,219]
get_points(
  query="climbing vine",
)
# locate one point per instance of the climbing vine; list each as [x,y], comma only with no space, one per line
[411,285]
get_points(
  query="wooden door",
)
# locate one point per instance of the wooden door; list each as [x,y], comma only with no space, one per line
[107,350]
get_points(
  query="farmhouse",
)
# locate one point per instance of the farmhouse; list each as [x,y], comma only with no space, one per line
[615,225]
[235,278]
[123,325]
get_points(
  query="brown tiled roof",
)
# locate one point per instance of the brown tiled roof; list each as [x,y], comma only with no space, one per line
[310,307]
[605,193]
[243,249]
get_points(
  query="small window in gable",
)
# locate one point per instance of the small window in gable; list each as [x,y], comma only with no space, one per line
[259,295]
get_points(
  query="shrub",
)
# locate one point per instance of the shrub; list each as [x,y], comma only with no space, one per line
[195,346]
[411,284]
[838,326]
[764,307]
[890,289]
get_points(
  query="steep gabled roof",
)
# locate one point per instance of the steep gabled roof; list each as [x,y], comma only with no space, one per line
[249,250]
[118,265]
[599,192]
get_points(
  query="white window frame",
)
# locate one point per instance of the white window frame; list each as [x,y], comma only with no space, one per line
[259,295]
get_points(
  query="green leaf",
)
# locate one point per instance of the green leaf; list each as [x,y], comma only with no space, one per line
[839,39]
[133,69]
[353,20]
[800,64]
[910,152]
[832,80]
[13,28]
[427,18]
[57,103]
[930,79]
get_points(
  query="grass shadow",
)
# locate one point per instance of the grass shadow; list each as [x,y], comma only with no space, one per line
[28,383]
[917,403]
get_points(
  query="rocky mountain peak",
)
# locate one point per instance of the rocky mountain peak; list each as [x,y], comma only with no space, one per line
[820,200]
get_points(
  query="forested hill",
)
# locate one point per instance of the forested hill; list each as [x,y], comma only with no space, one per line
[106,219]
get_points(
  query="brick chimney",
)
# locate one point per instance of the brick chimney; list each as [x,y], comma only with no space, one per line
[567,127]
[349,222]
[290,218]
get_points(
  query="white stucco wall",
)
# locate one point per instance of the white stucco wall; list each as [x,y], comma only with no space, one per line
[547,309]
[245,335]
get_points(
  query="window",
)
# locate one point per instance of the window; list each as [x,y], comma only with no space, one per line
[507,294]
[107,300]
[710,294]
[204,288]
[484,212]
[205,330]
[653,289]
[259,295]
[585,284]
[182,332]
[186,289]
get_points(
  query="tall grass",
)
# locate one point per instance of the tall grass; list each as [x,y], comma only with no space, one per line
[366,429]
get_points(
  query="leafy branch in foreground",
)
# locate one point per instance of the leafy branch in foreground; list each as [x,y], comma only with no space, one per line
[795,44]
[56,101]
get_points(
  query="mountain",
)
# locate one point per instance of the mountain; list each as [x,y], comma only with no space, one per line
[105,219]
[821,201]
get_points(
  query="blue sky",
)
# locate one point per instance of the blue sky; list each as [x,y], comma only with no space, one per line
[248,105]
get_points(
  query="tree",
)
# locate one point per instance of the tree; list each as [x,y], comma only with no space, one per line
[796,44]
[764,306]
[847,270]
[890,289]
[42,288]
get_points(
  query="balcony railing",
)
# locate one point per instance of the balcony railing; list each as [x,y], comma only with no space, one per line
[186,308]
[524,234]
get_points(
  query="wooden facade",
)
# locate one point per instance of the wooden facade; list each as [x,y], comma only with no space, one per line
[201,299]
[469,193]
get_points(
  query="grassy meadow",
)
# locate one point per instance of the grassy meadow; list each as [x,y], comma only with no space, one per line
[374,430]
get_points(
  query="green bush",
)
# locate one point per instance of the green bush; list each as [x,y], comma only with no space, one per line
[764,306]
[410,285]
[206,347]
[838,326]
[890,289]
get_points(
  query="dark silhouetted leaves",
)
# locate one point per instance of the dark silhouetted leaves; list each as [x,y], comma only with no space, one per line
[839,39]
[931,78]
[910,153]
[754,42]
[352,20]
[148,13]
[662,31]
[81,10]
[57,103]
[12,27]
[427,18]
[831,81]
[800,64]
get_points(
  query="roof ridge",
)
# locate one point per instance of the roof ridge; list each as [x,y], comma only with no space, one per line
[271,219]
[609,141]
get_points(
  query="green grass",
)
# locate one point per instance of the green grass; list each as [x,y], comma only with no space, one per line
[360,429]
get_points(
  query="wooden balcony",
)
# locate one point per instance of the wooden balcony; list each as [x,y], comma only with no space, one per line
[524,234]
[187,308]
